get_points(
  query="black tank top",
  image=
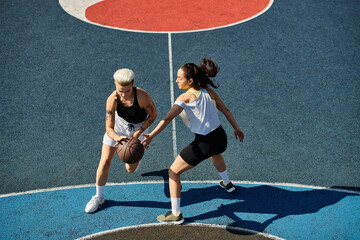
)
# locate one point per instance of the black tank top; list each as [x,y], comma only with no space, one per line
[132,114]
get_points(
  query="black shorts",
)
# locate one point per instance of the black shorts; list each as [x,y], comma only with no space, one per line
[205,146]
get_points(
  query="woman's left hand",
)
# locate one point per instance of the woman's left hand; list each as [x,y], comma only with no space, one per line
[239,134]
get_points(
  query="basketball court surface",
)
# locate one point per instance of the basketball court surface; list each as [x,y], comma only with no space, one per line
[289,72]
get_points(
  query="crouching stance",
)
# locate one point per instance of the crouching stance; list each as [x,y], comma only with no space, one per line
[129,112]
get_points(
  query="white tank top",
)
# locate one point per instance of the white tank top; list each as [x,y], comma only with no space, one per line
[200,116]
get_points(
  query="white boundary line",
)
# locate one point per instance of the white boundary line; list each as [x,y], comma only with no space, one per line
[172,98]
[80,6]
[186,224]
[161,182]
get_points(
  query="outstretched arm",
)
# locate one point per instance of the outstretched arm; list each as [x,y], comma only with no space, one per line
[173,112]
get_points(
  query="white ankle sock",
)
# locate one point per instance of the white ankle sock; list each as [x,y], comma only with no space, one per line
[175,206]
[100,191]
[224,176]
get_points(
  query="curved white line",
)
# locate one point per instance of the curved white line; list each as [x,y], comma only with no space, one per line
[73,7]
[187,224]
[161,182]
[68,6]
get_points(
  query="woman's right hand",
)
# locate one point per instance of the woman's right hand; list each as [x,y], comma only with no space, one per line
[147,140]
[121,138]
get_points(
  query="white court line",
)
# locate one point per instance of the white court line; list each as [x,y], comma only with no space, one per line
[238,229]
[295,185]
[172,95]
[76,8]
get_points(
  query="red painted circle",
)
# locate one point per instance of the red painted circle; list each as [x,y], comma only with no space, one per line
[173,15]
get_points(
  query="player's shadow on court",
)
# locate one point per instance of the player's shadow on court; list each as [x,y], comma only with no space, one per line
[264,199]
[259,199]
[164,174]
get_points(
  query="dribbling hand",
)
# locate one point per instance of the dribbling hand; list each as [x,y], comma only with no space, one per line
[122,138]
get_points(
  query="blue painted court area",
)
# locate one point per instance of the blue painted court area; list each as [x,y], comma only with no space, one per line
[282,211]
[290,77]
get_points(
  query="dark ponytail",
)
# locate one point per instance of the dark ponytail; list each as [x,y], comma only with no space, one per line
[201,74]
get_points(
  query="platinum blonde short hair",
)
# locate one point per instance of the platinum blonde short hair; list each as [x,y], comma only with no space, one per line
[124,76]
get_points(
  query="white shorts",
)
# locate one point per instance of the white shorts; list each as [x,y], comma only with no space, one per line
[123,128]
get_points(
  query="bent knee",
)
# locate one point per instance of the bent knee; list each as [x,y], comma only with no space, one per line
[130,170]
[173,173]
[131,167]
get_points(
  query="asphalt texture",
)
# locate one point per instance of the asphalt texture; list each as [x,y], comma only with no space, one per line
[289,76]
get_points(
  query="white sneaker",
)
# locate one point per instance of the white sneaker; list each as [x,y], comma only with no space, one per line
[94,204]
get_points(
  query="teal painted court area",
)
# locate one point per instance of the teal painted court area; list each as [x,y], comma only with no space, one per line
[290,76]
[283,211]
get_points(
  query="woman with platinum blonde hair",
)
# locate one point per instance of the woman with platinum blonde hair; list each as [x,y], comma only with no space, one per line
[129,112]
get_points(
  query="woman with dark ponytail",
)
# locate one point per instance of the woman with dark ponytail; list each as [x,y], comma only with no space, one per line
[198,107]
[201,74]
